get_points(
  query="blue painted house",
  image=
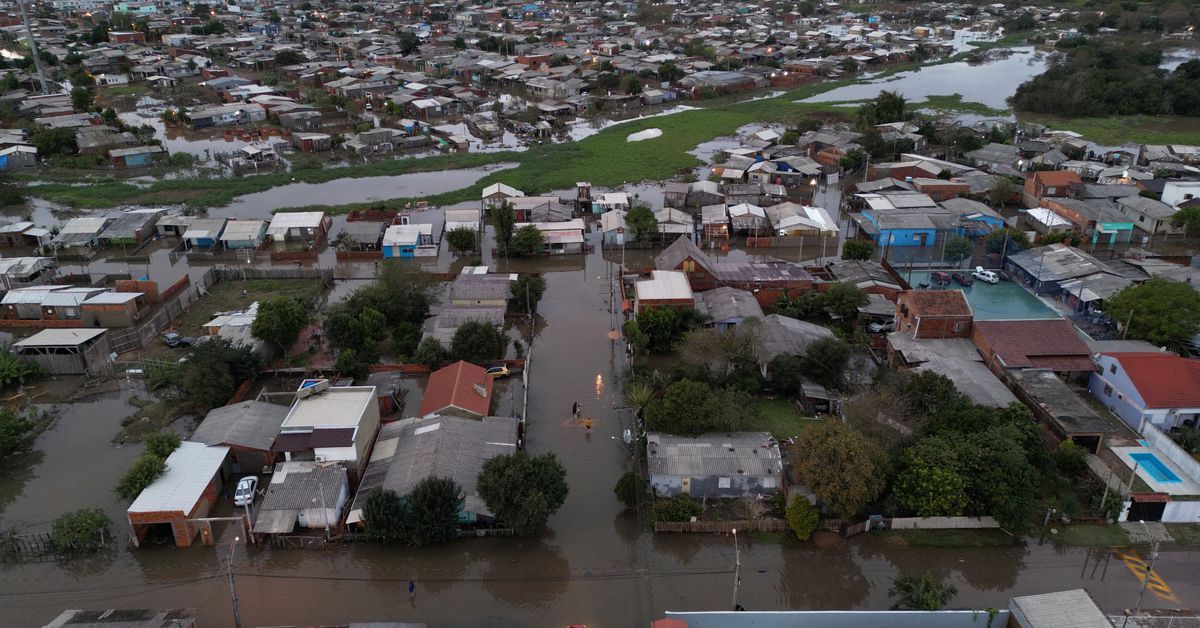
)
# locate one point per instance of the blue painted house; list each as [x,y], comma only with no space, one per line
[408,241]
[244,234]
[203,235]
[1161,388]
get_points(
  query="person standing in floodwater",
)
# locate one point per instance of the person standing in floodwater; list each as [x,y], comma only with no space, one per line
[587,425]
[412,589]
[575,410]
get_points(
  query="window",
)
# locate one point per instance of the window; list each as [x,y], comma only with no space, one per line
[1141,219]
[1112,368]
[1107,390]
[722,482]
[958,326]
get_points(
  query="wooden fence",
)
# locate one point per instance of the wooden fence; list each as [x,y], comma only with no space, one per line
[39,546]
[722,527]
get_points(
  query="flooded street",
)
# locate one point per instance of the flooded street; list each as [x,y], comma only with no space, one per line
[594,564]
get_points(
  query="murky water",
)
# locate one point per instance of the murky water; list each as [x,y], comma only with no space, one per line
[360,190]
[1175,57]
[990,83]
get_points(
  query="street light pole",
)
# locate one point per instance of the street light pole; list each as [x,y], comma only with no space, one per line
[1137,611]
[237,616]
[737,569]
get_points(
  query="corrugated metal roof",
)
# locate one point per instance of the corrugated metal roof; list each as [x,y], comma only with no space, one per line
[290,220]
[295,485]
[250,424]
[410,450]
[1062,609]
[190,468]
[60,337]
[731,454]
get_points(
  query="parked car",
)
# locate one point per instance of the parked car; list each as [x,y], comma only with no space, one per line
[962,279]
[496,372]
[985,276]
[175,341]
[244,494]
[879,327]
[940,278]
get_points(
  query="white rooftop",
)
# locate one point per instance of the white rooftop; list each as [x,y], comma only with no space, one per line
[189,470]
[340,406]
[284,221]
[664,284]
[60,337]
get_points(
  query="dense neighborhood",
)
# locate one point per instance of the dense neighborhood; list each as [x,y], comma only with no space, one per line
[599,313]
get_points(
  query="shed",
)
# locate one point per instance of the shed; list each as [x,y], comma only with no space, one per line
[204,234]
[112,309]
[1061,609]
[298,226]
[727,307]
[131,228]
[364,235]
[308,494]
[247,428]
[488,290]
[413,449]
[68,351]
[186,491]
[244,234]
[736,464]
[665,288]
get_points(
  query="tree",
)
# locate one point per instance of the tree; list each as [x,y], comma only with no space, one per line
[1159,311]
[686,408]
[406,338]
[504,219]
[853,160]
[843,299]
[1006,241]
[641,222]
[921,593]
[661,327]
[958,248]
[887,107]
[350,364]
[399,294]
[288,57]
[528,240]
[634,85]
[213,370]
[435,504]
[82,99]
[161,444]
[630,489]
[387,517]
[462,239]
[925,487]
[607,81]
[527,292]
[279,322]
[430,353]
[17,431]
[668,72]
[460,43]
[802,518]
[825,362]
[145,470]
[523,491]
[478,342]
[1189,219]
[15,371]
[1002,191]
[841,467]
[408,43]
[79,530]
[858,249]
[58,141]
[806,305]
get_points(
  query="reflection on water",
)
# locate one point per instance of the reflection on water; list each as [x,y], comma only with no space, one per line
[990,83]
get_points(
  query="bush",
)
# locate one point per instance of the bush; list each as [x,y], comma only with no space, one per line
[678,508]
[478,342]
[858,249]
[462,239]
[79,530]
[161,444]
[630,489]
[802,518]
[430,353]
[145,470]
[1070,459]
[386,516]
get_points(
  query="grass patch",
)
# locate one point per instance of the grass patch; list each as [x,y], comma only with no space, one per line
[152,416]
[949,538]
[1118,130]
[228,295]
[1184,533]
[954,102]
[1091,536]
[779,418]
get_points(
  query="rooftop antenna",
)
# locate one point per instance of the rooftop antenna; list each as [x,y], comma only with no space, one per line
[33,49]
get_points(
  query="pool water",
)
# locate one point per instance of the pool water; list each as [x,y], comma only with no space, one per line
[990,302]
[1155,468]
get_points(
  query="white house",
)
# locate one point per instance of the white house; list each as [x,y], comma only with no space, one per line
[1162,388]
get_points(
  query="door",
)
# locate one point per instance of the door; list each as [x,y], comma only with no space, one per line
[687,486]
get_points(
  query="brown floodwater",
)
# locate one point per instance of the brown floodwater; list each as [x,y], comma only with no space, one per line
[594,564]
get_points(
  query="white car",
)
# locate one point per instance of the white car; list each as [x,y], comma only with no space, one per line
[985,276]
[878,327]
[244,494]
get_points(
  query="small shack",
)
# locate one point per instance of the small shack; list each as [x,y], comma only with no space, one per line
[303,493]
[181,497]
[736,464]
[68,351]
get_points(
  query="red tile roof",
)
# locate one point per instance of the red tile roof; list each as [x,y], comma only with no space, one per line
[1050,343]
[1055,178]
[936,302]
[1162,380]
[455,386]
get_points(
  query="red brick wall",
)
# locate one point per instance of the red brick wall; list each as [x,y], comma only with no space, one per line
[41,323]
[175,288]
[150,288]
[943,327]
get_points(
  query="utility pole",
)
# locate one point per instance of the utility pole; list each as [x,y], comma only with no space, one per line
[237,616]
[33,48]
[1137,611]
[737,569]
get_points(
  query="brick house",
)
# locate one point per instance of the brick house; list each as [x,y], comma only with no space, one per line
[1049,183]
[181,497]
[934,314]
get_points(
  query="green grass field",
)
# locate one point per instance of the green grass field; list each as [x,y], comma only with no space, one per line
[778,418]
[1185,533]
[225,296]
[1090,536]
[1116,131]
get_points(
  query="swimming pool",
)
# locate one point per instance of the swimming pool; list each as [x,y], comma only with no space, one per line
[991,302]
[1150,463]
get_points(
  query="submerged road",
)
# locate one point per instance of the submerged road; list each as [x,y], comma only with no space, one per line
[594,565]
